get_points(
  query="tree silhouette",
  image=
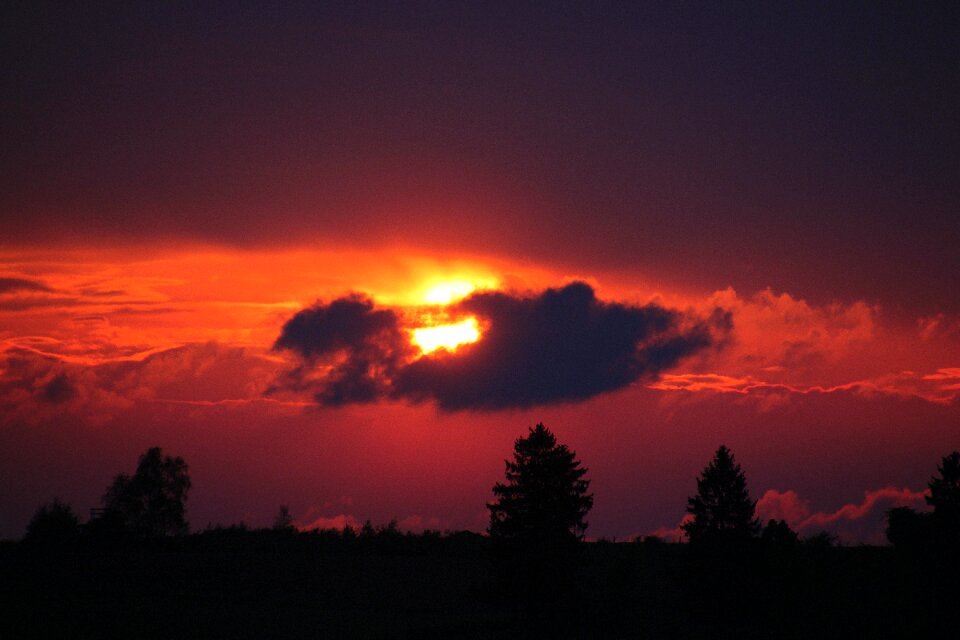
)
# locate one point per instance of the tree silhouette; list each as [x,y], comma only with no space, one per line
[283,520]
[54,523]
[778,534]
[537,523]
[150,503]
[544,499]
[907,528]
[722,509]
[945,498]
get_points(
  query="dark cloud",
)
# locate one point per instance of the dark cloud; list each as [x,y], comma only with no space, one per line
[88,291]
[58,390]
[10,285]
[560,345]
[37,302]
[365,348]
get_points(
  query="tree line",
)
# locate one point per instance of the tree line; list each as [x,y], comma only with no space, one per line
[539,511]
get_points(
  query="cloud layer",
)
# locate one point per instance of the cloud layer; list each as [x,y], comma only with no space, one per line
[559,345]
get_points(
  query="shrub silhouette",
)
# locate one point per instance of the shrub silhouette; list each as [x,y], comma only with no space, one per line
[53,524]
[151,502]
[908,528]
[778,534]
[722,509]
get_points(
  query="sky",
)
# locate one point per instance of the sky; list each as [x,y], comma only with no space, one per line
[232,230]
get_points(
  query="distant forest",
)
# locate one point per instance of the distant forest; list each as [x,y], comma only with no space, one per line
[133,569]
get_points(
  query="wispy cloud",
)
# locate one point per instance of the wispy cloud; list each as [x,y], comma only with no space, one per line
[942,387]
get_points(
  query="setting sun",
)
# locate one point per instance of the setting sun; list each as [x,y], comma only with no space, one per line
[447,292]
[448,336]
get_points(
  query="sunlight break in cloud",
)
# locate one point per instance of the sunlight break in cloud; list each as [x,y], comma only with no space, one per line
[560,345]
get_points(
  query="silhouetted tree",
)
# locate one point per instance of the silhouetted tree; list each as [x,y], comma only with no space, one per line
[150,503]
[907,528]
[778,533]
[283,520]
[537,523]
[52,524]
[945,499]
[822,540]
[544,499]
[722,509]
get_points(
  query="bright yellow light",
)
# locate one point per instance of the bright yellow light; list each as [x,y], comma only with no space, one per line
[447,336]
[447,292]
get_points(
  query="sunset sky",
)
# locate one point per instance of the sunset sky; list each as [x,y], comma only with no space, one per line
[244,232]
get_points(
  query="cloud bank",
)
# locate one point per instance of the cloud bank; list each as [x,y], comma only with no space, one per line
[559,345]
[863,522]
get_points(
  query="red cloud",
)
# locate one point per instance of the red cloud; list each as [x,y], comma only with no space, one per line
[777,331]
[340,521]
[851,523]
[35,387]
[862,522]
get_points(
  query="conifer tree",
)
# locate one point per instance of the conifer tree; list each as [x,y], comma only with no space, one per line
[945,499]
[544,499]
[722,509]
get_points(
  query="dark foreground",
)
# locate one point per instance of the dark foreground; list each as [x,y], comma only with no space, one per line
[235,583]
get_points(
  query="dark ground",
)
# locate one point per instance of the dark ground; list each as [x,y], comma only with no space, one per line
[233,583]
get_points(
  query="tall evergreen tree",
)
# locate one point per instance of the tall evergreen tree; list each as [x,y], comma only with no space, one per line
[945,499]
[722,508]
[945,489]
[544,499]
[537,523]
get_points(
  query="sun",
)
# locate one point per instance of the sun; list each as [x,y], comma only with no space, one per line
[447,336]
[447,292]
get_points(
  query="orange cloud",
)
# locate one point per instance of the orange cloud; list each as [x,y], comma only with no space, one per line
[942,387]
[86,308]
[777,332]
[340,521]
[36,386]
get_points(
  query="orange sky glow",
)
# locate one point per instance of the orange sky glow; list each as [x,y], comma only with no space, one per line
[163,337]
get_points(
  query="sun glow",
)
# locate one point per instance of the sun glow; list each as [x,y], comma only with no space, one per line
[447,292]
[447,336]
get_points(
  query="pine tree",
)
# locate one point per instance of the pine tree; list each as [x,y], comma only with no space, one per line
[722,508]
[945,499]
[537,523]
[544,499]
[945,489]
